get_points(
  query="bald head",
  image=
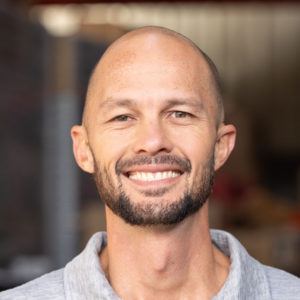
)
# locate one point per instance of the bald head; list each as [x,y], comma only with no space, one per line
[154,44]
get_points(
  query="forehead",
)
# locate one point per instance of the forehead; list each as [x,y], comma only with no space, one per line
[154,59]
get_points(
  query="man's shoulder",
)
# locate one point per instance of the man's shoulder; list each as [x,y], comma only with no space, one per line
[46,287]
[283,285]
[248,277]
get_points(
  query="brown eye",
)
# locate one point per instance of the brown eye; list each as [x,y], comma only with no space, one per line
[121,118]
[180,114]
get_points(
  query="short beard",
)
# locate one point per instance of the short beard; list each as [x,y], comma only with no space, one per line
[154,213]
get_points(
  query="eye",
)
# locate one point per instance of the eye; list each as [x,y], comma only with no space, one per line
[180,114]
[121,118]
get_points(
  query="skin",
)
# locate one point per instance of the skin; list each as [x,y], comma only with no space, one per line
[152,94]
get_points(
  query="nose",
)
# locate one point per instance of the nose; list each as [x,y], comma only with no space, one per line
[152,138]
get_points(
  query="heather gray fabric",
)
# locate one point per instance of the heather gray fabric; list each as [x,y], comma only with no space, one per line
[83,278]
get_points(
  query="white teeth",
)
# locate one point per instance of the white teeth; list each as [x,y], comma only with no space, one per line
[148,176]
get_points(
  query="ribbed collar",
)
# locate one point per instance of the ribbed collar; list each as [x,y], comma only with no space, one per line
[85,279]
[246,278]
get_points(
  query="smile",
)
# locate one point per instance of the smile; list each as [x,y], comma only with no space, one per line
[153,176]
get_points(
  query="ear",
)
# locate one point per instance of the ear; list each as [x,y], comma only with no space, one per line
[81,149]
[225,144]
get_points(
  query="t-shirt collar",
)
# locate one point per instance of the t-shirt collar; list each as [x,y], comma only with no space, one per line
[85,279]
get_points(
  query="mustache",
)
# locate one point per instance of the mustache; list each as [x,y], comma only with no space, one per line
[182,162]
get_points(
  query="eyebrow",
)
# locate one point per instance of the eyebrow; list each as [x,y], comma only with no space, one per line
[110,103]
[197,103]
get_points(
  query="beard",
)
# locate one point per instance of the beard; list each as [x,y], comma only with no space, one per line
[154,212]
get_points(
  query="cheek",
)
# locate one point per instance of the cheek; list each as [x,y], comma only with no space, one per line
[195,143]
[109,147]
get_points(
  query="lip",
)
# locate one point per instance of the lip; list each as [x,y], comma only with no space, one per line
[153,169]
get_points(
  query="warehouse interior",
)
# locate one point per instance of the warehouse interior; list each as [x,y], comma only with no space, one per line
[49,208]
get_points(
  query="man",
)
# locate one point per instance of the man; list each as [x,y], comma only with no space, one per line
[153,134]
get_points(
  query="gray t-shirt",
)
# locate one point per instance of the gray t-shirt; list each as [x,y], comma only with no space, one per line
[83,277]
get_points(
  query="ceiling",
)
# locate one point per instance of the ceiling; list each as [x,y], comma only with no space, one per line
[34,2]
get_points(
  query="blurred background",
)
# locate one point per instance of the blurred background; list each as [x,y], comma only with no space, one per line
[49,208]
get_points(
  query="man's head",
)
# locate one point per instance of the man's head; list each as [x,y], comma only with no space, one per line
[153,130]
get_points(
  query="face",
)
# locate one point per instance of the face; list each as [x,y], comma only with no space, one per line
[152,133]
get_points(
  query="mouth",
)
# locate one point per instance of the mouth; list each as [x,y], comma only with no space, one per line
[153,176]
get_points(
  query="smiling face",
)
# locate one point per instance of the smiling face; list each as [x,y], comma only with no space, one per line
[150,135]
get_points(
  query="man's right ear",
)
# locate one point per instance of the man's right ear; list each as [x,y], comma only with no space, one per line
[81,149]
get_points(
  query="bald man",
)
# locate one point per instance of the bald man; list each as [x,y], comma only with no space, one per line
[152,135]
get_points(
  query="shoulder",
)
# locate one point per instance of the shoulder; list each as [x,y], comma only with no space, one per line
[46,287]
[283,285]
[248,278]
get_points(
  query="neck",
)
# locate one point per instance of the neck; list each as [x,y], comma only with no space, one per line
[175,262]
